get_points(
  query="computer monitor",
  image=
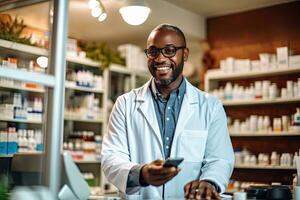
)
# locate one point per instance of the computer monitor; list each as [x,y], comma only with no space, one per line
[75,187]
[29,167]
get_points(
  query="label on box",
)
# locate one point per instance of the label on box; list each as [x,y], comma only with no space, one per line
[12,147]
[3,147]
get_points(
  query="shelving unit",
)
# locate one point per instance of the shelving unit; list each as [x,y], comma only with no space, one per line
[259,142]
[134,78]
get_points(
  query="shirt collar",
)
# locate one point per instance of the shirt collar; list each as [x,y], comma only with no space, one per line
[180,91]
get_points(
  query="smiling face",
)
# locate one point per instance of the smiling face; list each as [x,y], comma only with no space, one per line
[166,70]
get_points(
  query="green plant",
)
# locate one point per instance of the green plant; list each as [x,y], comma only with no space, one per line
[102,53]
[11,29]
[4,188]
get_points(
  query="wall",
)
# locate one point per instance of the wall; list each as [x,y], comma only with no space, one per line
[246,34]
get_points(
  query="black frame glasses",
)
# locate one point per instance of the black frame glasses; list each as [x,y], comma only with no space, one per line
[167,51]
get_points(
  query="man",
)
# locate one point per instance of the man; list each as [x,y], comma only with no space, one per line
[167,117]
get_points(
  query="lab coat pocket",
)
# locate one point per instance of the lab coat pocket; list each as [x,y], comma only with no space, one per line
[192,145]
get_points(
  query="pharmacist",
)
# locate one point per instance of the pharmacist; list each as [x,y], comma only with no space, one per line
[167,117]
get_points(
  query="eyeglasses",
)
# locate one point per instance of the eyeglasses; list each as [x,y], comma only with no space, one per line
[167,51]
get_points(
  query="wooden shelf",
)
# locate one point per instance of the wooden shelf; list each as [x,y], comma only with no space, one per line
[272,134]
[220,75]
[21,120]
[260,101]
[264,167]
[34,90]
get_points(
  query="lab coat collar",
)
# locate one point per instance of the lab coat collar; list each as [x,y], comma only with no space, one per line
[144,94]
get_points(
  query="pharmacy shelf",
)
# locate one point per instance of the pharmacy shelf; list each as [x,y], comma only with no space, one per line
[44,52]
[271,134]
[264,167]
[13,87]
[69,118]
[260,101]
[21,120]
[124,70]
[83,61]
[220,75]
[85,89]
[23,48]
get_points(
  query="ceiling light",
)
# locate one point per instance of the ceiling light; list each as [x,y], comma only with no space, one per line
[102,17]
[93,3]
[96,12]
[135,14]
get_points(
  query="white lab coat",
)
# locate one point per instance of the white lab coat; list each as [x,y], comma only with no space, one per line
[201,137]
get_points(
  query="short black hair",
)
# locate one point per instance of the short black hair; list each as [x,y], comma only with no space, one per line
[171,27]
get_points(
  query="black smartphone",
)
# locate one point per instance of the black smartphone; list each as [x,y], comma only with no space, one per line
[173,162]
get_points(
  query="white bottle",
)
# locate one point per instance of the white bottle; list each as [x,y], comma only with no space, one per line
[228,91]
[32,141]
[260,124]
[274,158]
[25,140]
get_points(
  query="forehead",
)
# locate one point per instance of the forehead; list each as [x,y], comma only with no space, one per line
[161,38]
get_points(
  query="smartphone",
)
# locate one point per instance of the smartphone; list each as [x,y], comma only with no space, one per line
[173,162]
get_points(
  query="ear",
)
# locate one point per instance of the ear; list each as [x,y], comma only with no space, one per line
[185,54]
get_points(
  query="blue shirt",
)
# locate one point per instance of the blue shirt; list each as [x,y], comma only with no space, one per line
[167,112]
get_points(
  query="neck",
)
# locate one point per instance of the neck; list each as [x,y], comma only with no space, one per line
[166,90]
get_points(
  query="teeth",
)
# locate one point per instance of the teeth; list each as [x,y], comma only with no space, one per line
[162,68]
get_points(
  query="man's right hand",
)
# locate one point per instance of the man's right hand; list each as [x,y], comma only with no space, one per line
[155,174]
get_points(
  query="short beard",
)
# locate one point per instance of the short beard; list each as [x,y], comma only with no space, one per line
[177,70]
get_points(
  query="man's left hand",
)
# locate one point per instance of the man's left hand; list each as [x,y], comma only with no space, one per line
[200,190]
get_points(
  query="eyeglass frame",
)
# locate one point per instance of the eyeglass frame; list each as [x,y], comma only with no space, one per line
[160,51]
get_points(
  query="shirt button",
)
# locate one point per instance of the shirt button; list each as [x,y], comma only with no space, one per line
[167,146]
[167,138]
[169,107]
[178,97]
[168,118]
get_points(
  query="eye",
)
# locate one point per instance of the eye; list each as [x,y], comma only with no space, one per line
[169,50]
[152,51]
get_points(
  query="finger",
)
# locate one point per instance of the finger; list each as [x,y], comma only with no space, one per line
[193,188]
[208,193]
[216,195]
[201,190]
[187,189]
[158,170]
[158,162]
